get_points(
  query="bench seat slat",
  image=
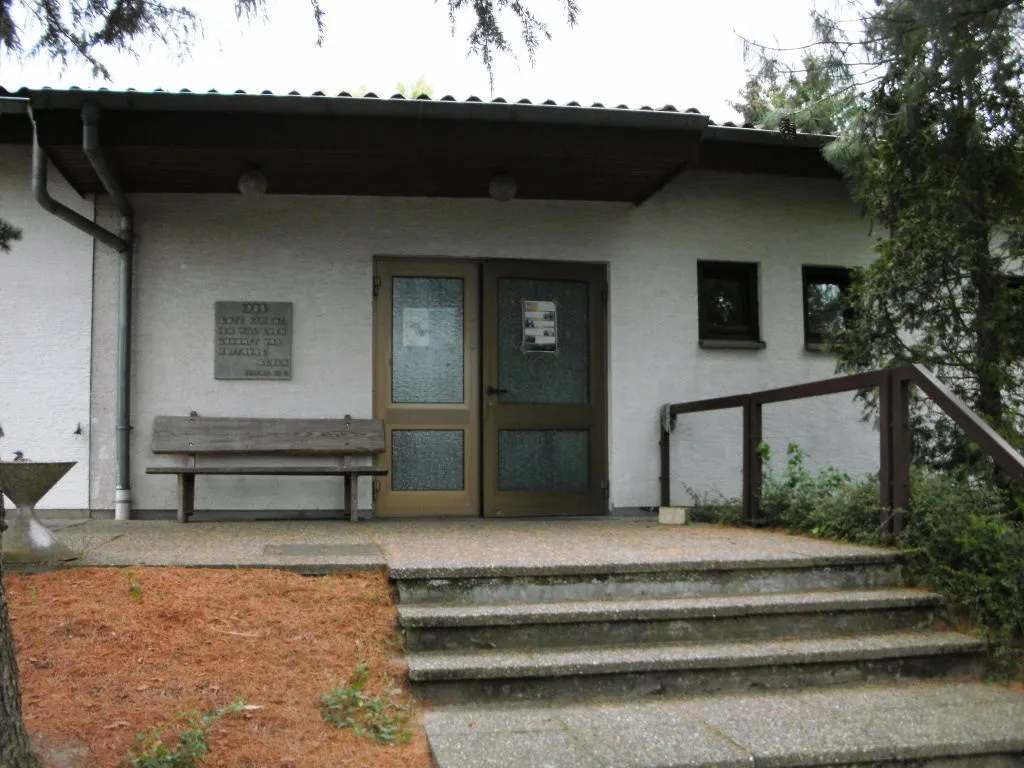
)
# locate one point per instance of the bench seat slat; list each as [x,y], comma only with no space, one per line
[326,471]
[208,435]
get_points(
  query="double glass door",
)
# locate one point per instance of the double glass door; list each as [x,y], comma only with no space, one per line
[491,380]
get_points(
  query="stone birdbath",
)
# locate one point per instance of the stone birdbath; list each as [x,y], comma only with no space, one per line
[27,540]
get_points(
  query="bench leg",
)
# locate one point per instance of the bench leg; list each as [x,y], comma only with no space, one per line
[352,497]
[186,497]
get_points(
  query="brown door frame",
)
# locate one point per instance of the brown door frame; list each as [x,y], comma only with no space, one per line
[480,369]
[464,415]
[592,416]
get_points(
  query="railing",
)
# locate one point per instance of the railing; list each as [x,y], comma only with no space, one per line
[893,385]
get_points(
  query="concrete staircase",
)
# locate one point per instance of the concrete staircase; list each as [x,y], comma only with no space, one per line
[485,642]
[574,636]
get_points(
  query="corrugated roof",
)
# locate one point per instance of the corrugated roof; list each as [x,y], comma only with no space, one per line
[185,141]
[448,98]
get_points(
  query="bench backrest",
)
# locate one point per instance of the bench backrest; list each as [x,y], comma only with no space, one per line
[201,435]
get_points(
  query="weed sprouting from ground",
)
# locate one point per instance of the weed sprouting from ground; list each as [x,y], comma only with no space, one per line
[134,588]
[379,718]
[183,746]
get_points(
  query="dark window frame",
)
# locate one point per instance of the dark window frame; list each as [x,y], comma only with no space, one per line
[817,275]
[747,274]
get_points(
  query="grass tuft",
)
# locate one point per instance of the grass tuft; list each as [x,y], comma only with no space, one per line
[182,746]
[379,718]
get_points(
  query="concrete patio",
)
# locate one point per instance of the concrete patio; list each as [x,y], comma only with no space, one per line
[415,547]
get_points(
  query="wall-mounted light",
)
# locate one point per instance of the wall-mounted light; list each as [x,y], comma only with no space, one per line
[252,183]
[502,187]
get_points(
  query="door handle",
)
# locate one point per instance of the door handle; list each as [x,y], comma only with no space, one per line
[496,391]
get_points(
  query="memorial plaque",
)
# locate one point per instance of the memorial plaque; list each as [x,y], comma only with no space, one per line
[253,340]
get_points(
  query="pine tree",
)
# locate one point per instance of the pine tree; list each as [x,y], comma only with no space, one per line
[932,148]
[935,157]
[814,98]
[15,749]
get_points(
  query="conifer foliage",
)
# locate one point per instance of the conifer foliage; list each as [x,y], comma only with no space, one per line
[85,30]
[935,156]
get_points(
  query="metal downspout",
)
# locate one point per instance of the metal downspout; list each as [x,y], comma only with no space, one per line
[61,211]
[97,158]
[124,245]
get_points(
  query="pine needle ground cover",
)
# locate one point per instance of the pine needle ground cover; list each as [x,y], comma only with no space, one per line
[113,659]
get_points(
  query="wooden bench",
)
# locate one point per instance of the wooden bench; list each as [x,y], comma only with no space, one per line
[195,436]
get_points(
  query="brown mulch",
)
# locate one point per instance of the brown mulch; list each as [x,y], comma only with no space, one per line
[102,660]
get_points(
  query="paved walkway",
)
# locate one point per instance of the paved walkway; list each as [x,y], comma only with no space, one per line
[863,725]
[417,547]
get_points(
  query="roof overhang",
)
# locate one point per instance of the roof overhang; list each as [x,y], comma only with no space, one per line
[164,142]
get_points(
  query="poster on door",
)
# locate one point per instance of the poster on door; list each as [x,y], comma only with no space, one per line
[415,327]
[540,326]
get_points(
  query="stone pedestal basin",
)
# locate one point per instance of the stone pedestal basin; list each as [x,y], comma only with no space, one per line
[26,540]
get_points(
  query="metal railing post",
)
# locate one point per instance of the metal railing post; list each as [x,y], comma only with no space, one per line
[751,460]
[753,466]
[901,450]
[665,477]
[885,457]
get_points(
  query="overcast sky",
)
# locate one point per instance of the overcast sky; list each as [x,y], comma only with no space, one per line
[636,52]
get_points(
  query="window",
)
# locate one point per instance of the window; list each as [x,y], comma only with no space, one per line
[825,290]
[727,299]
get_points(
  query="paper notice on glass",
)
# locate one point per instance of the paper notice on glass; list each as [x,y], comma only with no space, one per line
[540,326]
[416,327]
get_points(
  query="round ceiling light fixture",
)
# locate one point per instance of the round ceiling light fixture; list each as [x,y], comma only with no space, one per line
[252,183]
[502,187]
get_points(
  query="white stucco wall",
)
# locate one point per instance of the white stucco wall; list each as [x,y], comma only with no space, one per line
[782,224]
[318,253]
[45,325]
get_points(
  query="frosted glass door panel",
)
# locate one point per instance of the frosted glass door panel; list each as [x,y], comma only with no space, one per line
[560,376]
[427,460]
[543,460]
[427,340]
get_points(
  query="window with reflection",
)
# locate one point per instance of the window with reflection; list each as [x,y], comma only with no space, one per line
[825,293]
[727,299]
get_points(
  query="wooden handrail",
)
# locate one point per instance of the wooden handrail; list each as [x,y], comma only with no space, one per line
[977,429]
[893,386]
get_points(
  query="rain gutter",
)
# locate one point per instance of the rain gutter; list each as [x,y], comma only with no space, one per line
[763,136]
[351,106]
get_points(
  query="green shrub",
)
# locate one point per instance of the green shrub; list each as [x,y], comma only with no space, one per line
[372,717]
[962,541]
[713,507]
[827,503]
[964,538]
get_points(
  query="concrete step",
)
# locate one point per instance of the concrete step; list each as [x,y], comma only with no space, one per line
[677,619]
[933,724]
[451,677]
[695,578]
